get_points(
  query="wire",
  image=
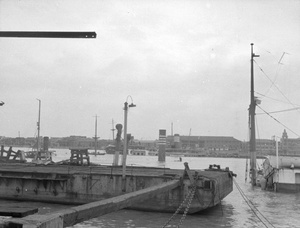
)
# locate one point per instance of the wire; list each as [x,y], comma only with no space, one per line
[275,85]
[278,121]
[275,99]
[286,110]
[276,75]
[252,207]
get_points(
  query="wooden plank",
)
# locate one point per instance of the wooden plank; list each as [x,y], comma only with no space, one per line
[85,212]
[18,212]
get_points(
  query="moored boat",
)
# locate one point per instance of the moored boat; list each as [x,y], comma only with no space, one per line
[97,152]
[110,149]
[281,173]
[83,184]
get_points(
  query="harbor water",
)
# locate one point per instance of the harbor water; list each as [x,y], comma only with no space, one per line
[244,207]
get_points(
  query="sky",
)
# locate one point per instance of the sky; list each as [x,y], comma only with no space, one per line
[184,64]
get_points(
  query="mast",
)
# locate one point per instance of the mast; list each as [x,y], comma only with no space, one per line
[252,123]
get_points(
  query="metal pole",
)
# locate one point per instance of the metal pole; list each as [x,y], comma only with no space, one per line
[125,141]
[252,123]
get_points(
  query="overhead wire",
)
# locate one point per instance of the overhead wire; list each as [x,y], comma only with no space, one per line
[275,99]
[277,70]
[254,209]
[274,84]
[278,121]
[285,110]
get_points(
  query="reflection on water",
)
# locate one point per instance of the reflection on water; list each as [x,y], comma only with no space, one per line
[281,210]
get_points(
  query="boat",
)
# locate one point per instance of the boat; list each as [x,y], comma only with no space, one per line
[153,152]
[97,152]
[81,184]
[139,152]
[281,174]
[77,181]
[278,173]
[110,149]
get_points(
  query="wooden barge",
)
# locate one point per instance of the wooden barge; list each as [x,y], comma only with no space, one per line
[67,184]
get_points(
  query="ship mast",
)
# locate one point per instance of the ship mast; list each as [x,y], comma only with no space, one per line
[252,123]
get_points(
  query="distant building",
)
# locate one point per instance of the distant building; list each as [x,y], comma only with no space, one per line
[289,146]
[211,143]
[264,146]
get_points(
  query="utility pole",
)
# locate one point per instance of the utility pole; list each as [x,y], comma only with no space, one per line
[252,122]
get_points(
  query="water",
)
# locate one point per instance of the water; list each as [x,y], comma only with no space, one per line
[274,209]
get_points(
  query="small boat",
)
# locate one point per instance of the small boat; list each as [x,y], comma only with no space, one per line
[281,173]
[153,152]
[139,152]
[97,152]
[110,149]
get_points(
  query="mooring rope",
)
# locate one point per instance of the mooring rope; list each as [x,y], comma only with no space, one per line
[253,208]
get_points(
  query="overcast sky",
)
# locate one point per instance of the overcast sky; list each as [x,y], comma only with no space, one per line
[182,62]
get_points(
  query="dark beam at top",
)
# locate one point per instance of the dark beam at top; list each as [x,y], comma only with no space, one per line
[47,34]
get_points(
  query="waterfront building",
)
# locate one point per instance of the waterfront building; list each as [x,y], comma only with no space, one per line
[209,143]
[289,146]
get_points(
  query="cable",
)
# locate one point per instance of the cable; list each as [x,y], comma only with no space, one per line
[275,99]
[286,110]
[275,85]
[278,121]
[252,207]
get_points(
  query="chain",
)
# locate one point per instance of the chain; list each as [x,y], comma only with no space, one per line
[179,208]
[188,199]
[188,206]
